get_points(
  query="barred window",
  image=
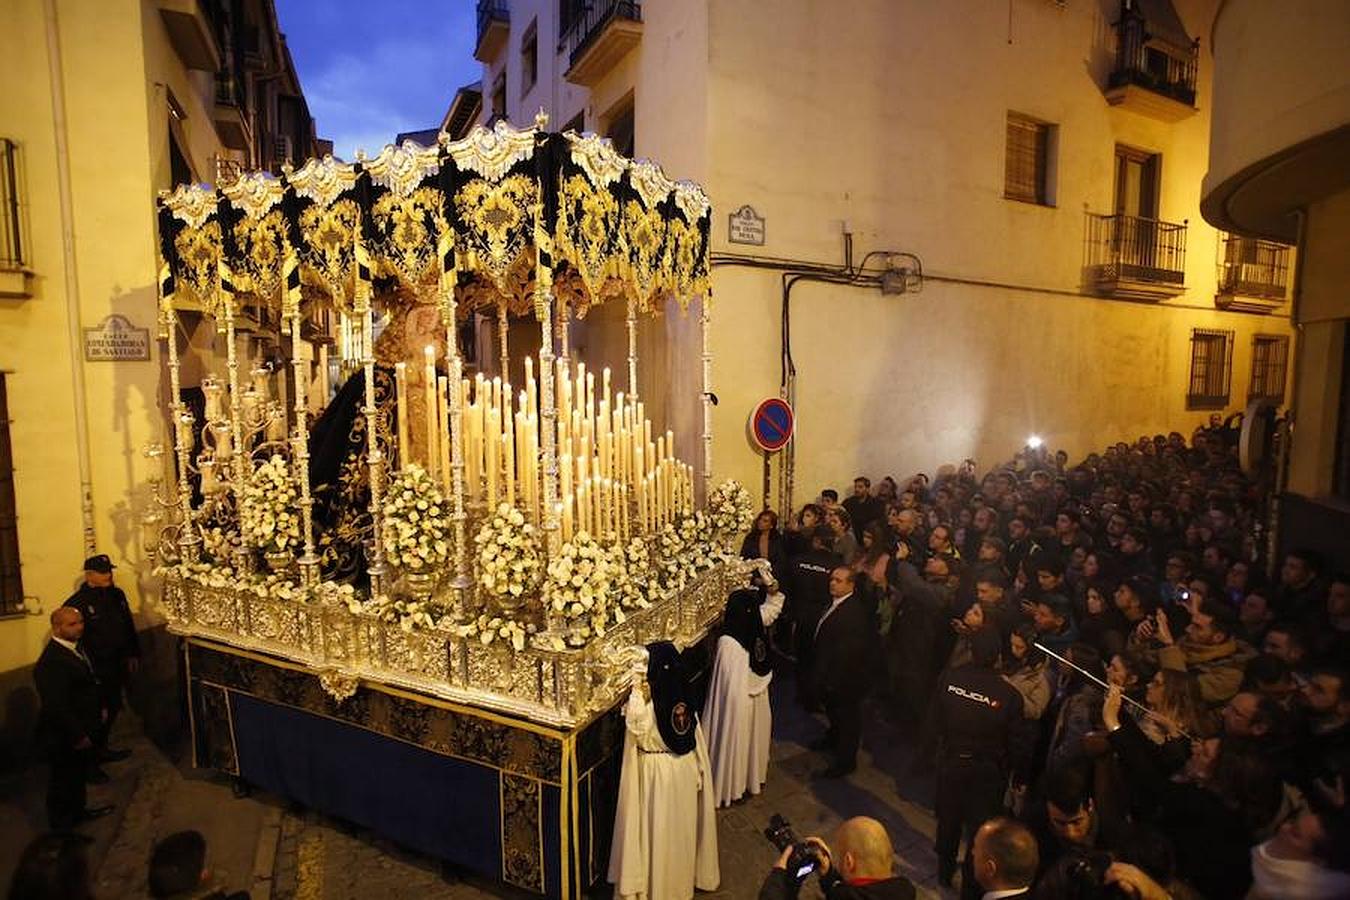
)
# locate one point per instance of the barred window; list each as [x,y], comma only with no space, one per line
[1270,353]
[11,581]
[1026,171]
[1211,369]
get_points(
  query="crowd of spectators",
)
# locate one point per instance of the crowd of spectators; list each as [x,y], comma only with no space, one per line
[1183,715]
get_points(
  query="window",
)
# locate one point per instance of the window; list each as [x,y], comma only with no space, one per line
[1270,352]
[499,95]
[529,59]
[1026,170]
[1137,180]
[1211,369]
[620,129]
[11,581]
[11,219]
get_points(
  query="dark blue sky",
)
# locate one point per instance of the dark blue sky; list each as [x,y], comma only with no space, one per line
[373,68]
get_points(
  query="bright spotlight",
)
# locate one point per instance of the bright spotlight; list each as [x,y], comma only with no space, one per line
[1034,442]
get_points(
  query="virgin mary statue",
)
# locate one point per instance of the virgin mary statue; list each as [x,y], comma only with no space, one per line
[338,471]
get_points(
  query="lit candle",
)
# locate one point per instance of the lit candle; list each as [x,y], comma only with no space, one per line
[565,509]
[491,446]
[401,389]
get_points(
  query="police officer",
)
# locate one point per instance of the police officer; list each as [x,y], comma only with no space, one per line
[111,644]
[808,586]
[976,710]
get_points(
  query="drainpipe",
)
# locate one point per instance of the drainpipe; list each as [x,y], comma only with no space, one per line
[1281,480]
[73,319]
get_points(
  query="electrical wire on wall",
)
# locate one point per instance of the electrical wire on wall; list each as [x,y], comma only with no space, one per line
[898,273]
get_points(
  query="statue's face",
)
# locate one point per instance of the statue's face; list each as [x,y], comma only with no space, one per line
[422,328]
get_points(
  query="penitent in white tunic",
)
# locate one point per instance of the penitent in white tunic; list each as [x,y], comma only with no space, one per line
[665,829]
[738,716]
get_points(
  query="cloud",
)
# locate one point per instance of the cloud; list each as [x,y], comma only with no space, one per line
[366,78]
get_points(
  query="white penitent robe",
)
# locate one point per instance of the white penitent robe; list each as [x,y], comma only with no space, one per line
[738,716]
[665,830]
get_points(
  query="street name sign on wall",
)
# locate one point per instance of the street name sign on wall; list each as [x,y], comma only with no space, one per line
[771,424]
[116,339]
[745,226]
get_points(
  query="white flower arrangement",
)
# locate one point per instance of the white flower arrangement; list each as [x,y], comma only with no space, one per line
[730,510]
[510,556]
[269,515]
[638,580]
[218,542]
[488,628]
[670,547]
[582,581]
[416,522]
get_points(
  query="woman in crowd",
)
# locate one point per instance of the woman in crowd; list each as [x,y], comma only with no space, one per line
[765,542]
[845,544]
[1024,667]
[874,557]
[1100,623]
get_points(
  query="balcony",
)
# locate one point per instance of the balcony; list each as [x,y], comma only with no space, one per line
[1253,274]
[1135,258]
[15,276]
[229,114]
[191,32]
[1156,63]
[494,24]
[600,34]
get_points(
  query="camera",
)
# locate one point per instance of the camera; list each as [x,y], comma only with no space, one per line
[804,859]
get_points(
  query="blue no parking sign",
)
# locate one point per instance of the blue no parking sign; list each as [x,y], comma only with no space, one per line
[771,424]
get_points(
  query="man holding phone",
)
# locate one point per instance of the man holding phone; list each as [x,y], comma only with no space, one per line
[855,865]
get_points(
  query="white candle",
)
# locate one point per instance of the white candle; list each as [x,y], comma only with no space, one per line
[208,469]
[223,443]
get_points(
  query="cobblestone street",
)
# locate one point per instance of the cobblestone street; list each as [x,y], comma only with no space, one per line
[262,844]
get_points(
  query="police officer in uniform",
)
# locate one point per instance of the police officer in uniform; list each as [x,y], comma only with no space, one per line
[809,596]
[111,644]
[976,712]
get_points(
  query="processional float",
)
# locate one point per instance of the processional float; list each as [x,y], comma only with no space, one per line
[483,554]
[480,505]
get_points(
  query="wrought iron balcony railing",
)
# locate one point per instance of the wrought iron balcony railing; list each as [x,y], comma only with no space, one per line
[11,217]
[1253,268]
[1151,64]
[1125,251]
[589,20]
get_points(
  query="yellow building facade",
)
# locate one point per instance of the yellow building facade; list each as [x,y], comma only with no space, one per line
[1278,150]
[891,123]
[106,104]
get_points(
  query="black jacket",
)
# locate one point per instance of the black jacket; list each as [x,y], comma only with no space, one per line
[779,885]
[977,710]
[68,690]
[845,649]
[109,632]
[808,585]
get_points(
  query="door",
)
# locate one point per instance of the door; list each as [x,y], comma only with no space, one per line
[1136,207]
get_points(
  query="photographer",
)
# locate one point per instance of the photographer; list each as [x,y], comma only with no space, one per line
[856,865]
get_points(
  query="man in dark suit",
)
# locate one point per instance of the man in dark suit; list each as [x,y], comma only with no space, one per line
[808,589]
[1006,860]
[71,717]
[844,645]
[111,644]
